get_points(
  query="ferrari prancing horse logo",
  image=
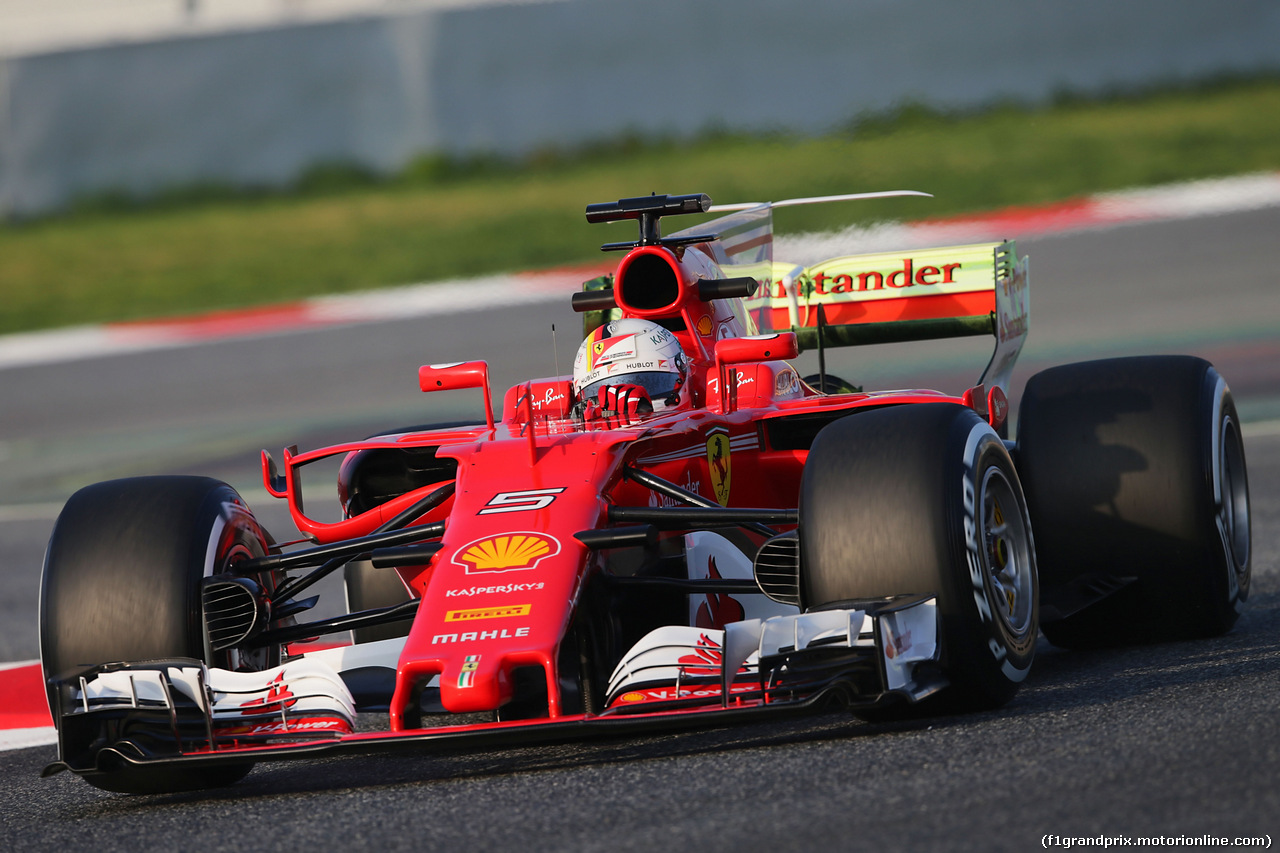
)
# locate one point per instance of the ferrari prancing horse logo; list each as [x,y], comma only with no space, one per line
[718,464]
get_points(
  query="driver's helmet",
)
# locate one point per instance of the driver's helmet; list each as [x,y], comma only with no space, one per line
[631,352]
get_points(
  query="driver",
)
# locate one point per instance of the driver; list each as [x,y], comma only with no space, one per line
[628,369]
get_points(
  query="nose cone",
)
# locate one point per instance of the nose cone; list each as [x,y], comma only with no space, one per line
[474,682]
[500,593]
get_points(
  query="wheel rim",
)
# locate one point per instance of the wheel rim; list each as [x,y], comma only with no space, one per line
[1007,553]
[1233,487]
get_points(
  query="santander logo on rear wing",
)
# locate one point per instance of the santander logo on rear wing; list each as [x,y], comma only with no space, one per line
[920,294]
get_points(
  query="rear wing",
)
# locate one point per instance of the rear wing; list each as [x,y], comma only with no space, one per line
[911,295]
[923,294]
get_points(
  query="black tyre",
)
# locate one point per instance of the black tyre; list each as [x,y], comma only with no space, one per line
[122,578]
[369,589]
[830,384]
[1134,467]
[925,499]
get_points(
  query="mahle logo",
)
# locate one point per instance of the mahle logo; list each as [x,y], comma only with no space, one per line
[506,553]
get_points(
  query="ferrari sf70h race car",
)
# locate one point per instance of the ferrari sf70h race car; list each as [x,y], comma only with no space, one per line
[685,532]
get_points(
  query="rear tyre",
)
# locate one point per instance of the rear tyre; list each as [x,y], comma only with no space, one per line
[1134,467]
[830,384]
[122,580]
[925,499]
[371,589]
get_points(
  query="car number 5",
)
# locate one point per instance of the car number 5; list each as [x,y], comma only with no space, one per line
[520,501]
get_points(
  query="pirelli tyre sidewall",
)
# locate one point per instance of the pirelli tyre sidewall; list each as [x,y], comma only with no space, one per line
[925,499]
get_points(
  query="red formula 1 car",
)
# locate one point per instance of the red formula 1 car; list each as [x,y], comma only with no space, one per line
[683,533]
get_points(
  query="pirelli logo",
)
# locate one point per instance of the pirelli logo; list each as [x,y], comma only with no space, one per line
[487,613]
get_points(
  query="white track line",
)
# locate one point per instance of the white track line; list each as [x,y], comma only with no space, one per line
[26,738]
[17,664]
[441,299]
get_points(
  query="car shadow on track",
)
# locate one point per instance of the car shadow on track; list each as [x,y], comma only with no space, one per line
[1068,679]
[417,768]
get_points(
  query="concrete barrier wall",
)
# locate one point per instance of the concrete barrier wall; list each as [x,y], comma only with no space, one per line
[259,107]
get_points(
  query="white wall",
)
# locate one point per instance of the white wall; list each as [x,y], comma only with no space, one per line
[257,107]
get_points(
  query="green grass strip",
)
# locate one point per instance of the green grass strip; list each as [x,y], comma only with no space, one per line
[210,248]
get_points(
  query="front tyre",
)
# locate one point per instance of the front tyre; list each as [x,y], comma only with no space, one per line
[122,582]
[925,499]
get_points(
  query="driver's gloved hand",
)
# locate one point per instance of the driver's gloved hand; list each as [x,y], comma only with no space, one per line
[624,403]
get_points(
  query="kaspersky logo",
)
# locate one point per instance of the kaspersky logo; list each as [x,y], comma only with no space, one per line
[508,552]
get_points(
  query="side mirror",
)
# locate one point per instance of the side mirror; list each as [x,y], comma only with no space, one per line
[456,376]
[757,348]
[754,349]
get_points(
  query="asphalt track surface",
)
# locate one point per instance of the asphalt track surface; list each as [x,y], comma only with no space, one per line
[1173,740]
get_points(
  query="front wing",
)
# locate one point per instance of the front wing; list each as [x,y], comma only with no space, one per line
[179,711]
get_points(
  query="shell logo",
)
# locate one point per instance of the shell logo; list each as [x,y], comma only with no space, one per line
[508,552]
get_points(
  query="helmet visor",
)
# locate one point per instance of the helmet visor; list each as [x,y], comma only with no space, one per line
[660,385]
